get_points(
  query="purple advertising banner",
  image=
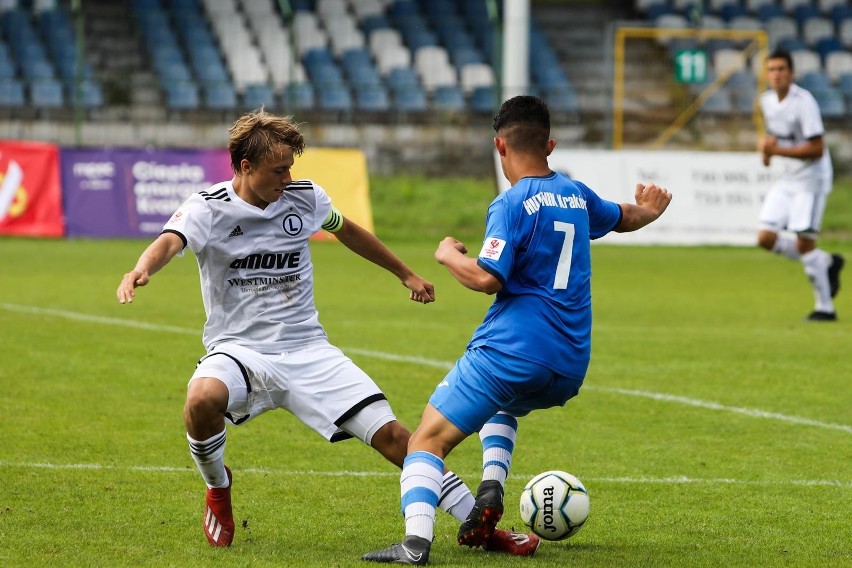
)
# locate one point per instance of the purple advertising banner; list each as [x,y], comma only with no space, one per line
[132,193]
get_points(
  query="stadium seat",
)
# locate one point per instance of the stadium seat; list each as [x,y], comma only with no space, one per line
[837,64]
[476,75]
[831,103]
[47,93]
[449,98]
[182,95]
[409,99]
[12,93]
[805,61]
[258,95]
[220,96]
[483,100]
[816,29]
[780,28]
[298,96]
[335,97]
[372,98]
[813,81]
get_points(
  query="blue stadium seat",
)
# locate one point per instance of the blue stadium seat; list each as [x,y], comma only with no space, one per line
[831,103]
[483,100]
[334,96]
[47,93]
[372,98]
[449,98]
[299,96]
[402,77]
[258,95]
[769,10]
[814,81]
[182,95]
[92,94]
[12,93]
[410,99]
[220,96]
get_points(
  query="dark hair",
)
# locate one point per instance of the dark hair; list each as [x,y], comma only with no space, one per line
[524,122]
[780,53]
[256,136]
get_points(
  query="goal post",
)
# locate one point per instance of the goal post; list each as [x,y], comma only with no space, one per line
[692,88]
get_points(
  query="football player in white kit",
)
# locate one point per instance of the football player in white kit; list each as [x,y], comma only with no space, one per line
[265,346]
[796,202]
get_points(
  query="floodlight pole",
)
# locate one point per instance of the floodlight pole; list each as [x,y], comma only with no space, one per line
[77,10]
[516,43]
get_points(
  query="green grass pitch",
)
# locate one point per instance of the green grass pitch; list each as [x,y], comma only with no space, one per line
[714,428]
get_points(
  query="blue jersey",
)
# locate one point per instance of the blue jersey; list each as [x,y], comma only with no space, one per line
[537,244]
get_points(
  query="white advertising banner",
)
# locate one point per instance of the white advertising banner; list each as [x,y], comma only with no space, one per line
[716,196]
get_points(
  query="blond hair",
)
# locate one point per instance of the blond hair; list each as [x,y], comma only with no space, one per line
[256,136]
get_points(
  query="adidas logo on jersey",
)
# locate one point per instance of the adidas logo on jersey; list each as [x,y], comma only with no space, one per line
[236,232]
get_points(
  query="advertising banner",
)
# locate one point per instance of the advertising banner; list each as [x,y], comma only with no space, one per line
[30,196]
[716,196]
[132,193]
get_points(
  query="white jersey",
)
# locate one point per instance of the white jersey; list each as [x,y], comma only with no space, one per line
[793,121]
[255,264]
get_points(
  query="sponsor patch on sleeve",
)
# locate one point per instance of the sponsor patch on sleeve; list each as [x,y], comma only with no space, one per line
[492,248]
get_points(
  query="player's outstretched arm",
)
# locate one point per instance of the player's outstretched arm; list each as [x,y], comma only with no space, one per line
[651,201]
[453,254]
[155,257]
[365,244]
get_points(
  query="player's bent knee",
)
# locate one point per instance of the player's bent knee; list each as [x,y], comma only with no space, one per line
[206,400]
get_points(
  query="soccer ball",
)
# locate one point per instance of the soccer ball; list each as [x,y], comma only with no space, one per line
[554,505]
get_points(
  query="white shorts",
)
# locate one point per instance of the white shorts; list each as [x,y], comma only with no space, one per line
[795,208]
[318,384]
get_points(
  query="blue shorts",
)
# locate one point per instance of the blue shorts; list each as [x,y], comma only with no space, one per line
[485,381]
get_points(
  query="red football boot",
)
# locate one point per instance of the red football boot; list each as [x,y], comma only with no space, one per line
[516,544]
[218,516]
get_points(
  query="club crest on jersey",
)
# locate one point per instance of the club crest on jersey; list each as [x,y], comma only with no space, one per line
[492,248]
[292,224]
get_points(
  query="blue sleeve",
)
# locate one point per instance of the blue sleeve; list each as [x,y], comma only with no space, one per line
[497,254]
[604,215]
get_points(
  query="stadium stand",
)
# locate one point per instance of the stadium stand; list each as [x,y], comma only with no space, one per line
[377,55]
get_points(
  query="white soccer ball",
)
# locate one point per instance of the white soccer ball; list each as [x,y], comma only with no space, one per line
[555,504]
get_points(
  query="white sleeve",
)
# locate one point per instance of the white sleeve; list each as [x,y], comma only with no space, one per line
[811,118]
[323,208]
[192,222]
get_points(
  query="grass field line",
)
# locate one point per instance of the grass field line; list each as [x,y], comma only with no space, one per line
[443,365]
[673,480]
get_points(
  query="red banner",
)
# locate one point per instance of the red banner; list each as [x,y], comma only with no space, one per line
[30,194]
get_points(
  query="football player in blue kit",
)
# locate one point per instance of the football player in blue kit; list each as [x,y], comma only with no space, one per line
[265,346]
[533,349]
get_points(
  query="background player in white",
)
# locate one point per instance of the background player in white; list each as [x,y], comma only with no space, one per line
[265,346]
[533,349]
[796,202]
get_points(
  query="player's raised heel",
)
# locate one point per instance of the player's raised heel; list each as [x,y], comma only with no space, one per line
[516,544]
[477,529]
[414,550]
[218,515]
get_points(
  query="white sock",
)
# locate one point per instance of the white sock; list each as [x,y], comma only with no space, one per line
[786,246]
[456,499]
[420,486]
[816,263]
[209,456]
[498,442]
